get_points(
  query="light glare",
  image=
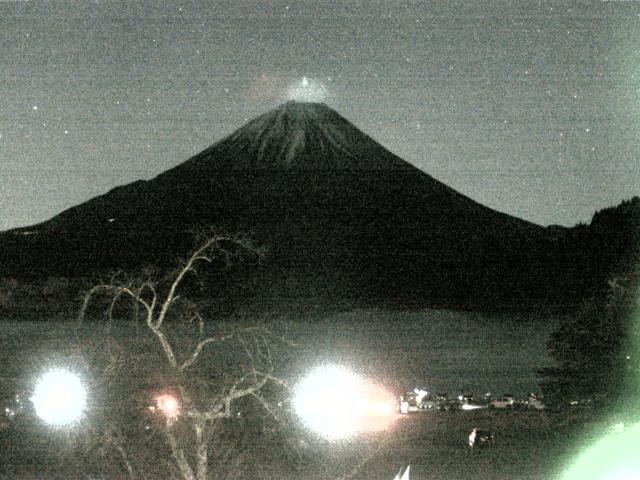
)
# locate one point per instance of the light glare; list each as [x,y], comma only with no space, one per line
[168,405]
[337,403]
[614,457]
[59,398]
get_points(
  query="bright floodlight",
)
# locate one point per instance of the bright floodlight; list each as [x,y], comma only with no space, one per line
[337,403]
[59,397]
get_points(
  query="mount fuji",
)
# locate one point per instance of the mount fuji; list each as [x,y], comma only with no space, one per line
[339,215]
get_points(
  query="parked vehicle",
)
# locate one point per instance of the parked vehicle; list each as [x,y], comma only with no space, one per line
[466,398]
[484,438]
[428,404]
[535,402]
[451,405]
[506,401]
[407,405]
[581,403]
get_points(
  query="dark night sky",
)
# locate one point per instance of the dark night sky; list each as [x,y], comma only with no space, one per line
[528,107]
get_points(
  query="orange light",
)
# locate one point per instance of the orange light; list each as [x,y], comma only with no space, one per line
[168,405]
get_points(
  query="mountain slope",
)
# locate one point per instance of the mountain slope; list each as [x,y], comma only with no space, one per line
[340,215]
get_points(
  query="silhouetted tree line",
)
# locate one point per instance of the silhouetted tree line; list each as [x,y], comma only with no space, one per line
[50,299]
[613,239]
[597,353]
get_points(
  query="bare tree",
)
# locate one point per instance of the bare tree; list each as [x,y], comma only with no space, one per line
[203,397]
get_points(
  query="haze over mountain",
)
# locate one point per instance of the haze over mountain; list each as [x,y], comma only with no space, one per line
[340,216]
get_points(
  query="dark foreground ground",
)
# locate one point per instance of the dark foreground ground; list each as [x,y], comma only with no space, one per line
[527,445]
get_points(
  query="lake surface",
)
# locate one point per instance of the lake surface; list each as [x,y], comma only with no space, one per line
[441,350]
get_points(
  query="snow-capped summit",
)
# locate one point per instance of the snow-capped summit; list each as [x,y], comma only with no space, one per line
[304,135]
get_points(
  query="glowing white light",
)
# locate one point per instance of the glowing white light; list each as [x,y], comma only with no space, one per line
[337,403]
[307,90]
[59,398]
[613,457]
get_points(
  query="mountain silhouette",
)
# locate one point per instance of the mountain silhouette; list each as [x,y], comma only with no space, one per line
[340,216]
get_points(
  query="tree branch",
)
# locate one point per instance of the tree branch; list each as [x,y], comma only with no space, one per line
[266,405]
[166,345]
[195,256]
[178,454]
[201,344]
[117,291]
[201,450]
